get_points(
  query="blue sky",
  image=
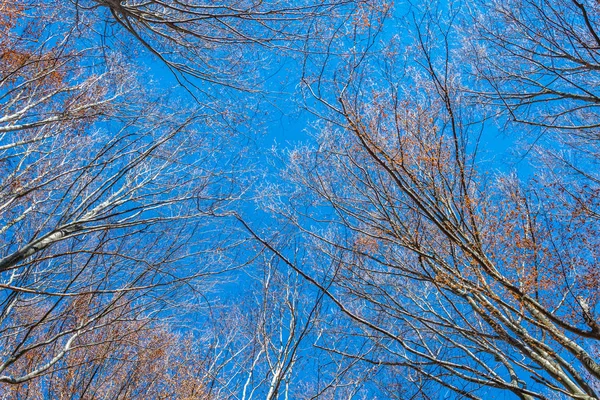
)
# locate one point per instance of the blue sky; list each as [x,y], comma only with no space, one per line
[250,134]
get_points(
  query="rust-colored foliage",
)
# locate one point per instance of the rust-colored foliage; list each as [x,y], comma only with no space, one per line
[119,358]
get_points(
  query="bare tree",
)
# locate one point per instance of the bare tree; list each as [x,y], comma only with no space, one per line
[203,42]
[127,357]
[257,340]
[463,281]
[539,60]
[104,193]
[416,270]
[535,63]
[109,183]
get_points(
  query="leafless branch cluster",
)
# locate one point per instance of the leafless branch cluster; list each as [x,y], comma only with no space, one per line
[464,281]
[397,258]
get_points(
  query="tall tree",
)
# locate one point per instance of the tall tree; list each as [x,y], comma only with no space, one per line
[108,179]
[102,189]
[458,279]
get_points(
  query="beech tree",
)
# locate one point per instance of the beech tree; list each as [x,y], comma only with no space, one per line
[400,260]
[255,346]
[102,189]
[107,181]
[111,184]
[217,42]
[126,358]
[461,281]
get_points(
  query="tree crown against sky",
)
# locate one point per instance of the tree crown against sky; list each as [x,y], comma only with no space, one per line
[393,255]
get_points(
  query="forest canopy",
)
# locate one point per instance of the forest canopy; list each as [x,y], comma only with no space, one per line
[305,199]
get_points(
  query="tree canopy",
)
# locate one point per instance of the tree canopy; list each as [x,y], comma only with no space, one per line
[427,227]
